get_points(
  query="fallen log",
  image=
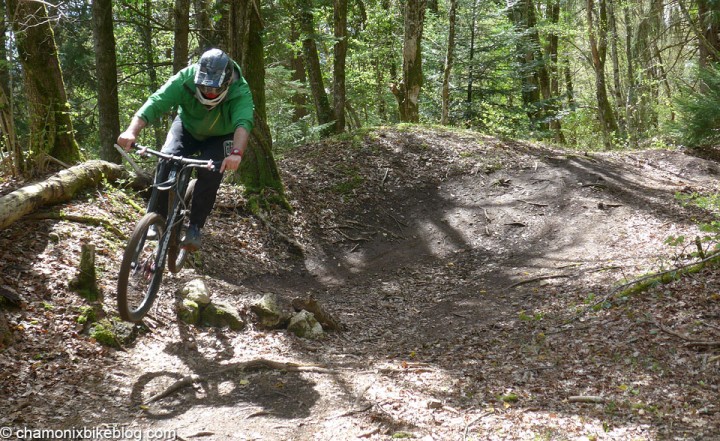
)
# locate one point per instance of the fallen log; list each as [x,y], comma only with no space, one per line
[60,187]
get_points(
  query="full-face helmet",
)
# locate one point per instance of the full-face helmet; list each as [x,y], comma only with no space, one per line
[215,71]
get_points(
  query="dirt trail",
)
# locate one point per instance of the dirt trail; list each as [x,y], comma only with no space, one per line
[464,268]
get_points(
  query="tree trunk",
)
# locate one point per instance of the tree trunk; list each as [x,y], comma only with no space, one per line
[148,53]
[339,56]
[312,63]
[181,54]
[106,69]
[630,101]
[709,17]
[533,71]
[598,46]
[553,72]
[203,25]
[409,90]
[58,188]
[10,155]
[617,86]
[444,118]
[297,65]
[471,68]
[258,170]
[51,130]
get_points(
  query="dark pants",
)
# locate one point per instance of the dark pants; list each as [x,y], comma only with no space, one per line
[181,143]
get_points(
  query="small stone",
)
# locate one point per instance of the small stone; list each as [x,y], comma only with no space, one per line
[196,291]
[303,324]
[221,315]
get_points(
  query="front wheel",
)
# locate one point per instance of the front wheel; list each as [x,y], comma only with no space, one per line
[141,269]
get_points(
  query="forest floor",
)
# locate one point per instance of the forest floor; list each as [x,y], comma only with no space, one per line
[479,282]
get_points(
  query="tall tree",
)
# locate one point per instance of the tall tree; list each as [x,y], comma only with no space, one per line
[312,63]
[51,129]
[339,56]
[534,78]
[181,11]
[408,92]
[203,24]
[8,139]
[448,63]
[258,170]
[709,18]
[106,69]
[297,66]
[597,33]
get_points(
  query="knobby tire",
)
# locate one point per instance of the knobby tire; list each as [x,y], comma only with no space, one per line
[141,265]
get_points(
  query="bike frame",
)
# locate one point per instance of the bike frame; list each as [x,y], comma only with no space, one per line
[139,267]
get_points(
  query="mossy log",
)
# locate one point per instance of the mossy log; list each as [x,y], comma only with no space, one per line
[60,187]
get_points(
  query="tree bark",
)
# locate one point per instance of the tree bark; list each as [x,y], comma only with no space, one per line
[8,140]
[533,71]
[444,118]
[297,66]
[409,90]
[181,54]
[630,101]
[58,188]
[709,17]
[617,85]
[51,130]
[106,69]
[258,170]
[312,63]
[203,25]
[339,56]
[598,46]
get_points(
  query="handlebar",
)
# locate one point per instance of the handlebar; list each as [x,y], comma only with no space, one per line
[199,163]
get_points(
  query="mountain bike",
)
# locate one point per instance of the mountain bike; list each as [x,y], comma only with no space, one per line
[143,263]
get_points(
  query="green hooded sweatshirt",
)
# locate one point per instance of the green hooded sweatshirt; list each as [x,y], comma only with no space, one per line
[236,110]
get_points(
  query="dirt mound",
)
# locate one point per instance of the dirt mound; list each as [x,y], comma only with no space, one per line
[471,273]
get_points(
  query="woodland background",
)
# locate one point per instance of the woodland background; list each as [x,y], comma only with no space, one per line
[582,73]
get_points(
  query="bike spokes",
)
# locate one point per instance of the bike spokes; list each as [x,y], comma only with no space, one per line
[141,269]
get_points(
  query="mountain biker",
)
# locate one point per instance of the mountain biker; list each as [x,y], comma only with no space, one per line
[214,120]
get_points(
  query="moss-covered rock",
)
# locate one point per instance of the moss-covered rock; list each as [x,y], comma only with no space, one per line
[112,332]
[189,312]
[268,312]
[197,291]
[303,324]
[221,315]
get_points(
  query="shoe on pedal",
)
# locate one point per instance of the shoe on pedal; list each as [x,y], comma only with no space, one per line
[192,240]
[152,233]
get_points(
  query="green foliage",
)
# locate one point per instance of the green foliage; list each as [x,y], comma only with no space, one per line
[86,315]
[699,111]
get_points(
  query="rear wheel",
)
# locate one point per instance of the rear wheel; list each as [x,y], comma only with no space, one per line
[177,255]
[141,269]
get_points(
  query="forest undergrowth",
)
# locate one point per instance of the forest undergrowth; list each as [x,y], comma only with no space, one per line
[479,282]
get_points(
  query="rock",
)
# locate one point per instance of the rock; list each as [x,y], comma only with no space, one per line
[220,315]
[196,291]
[268,312]
[112,332]
[303,324]
[189,312]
